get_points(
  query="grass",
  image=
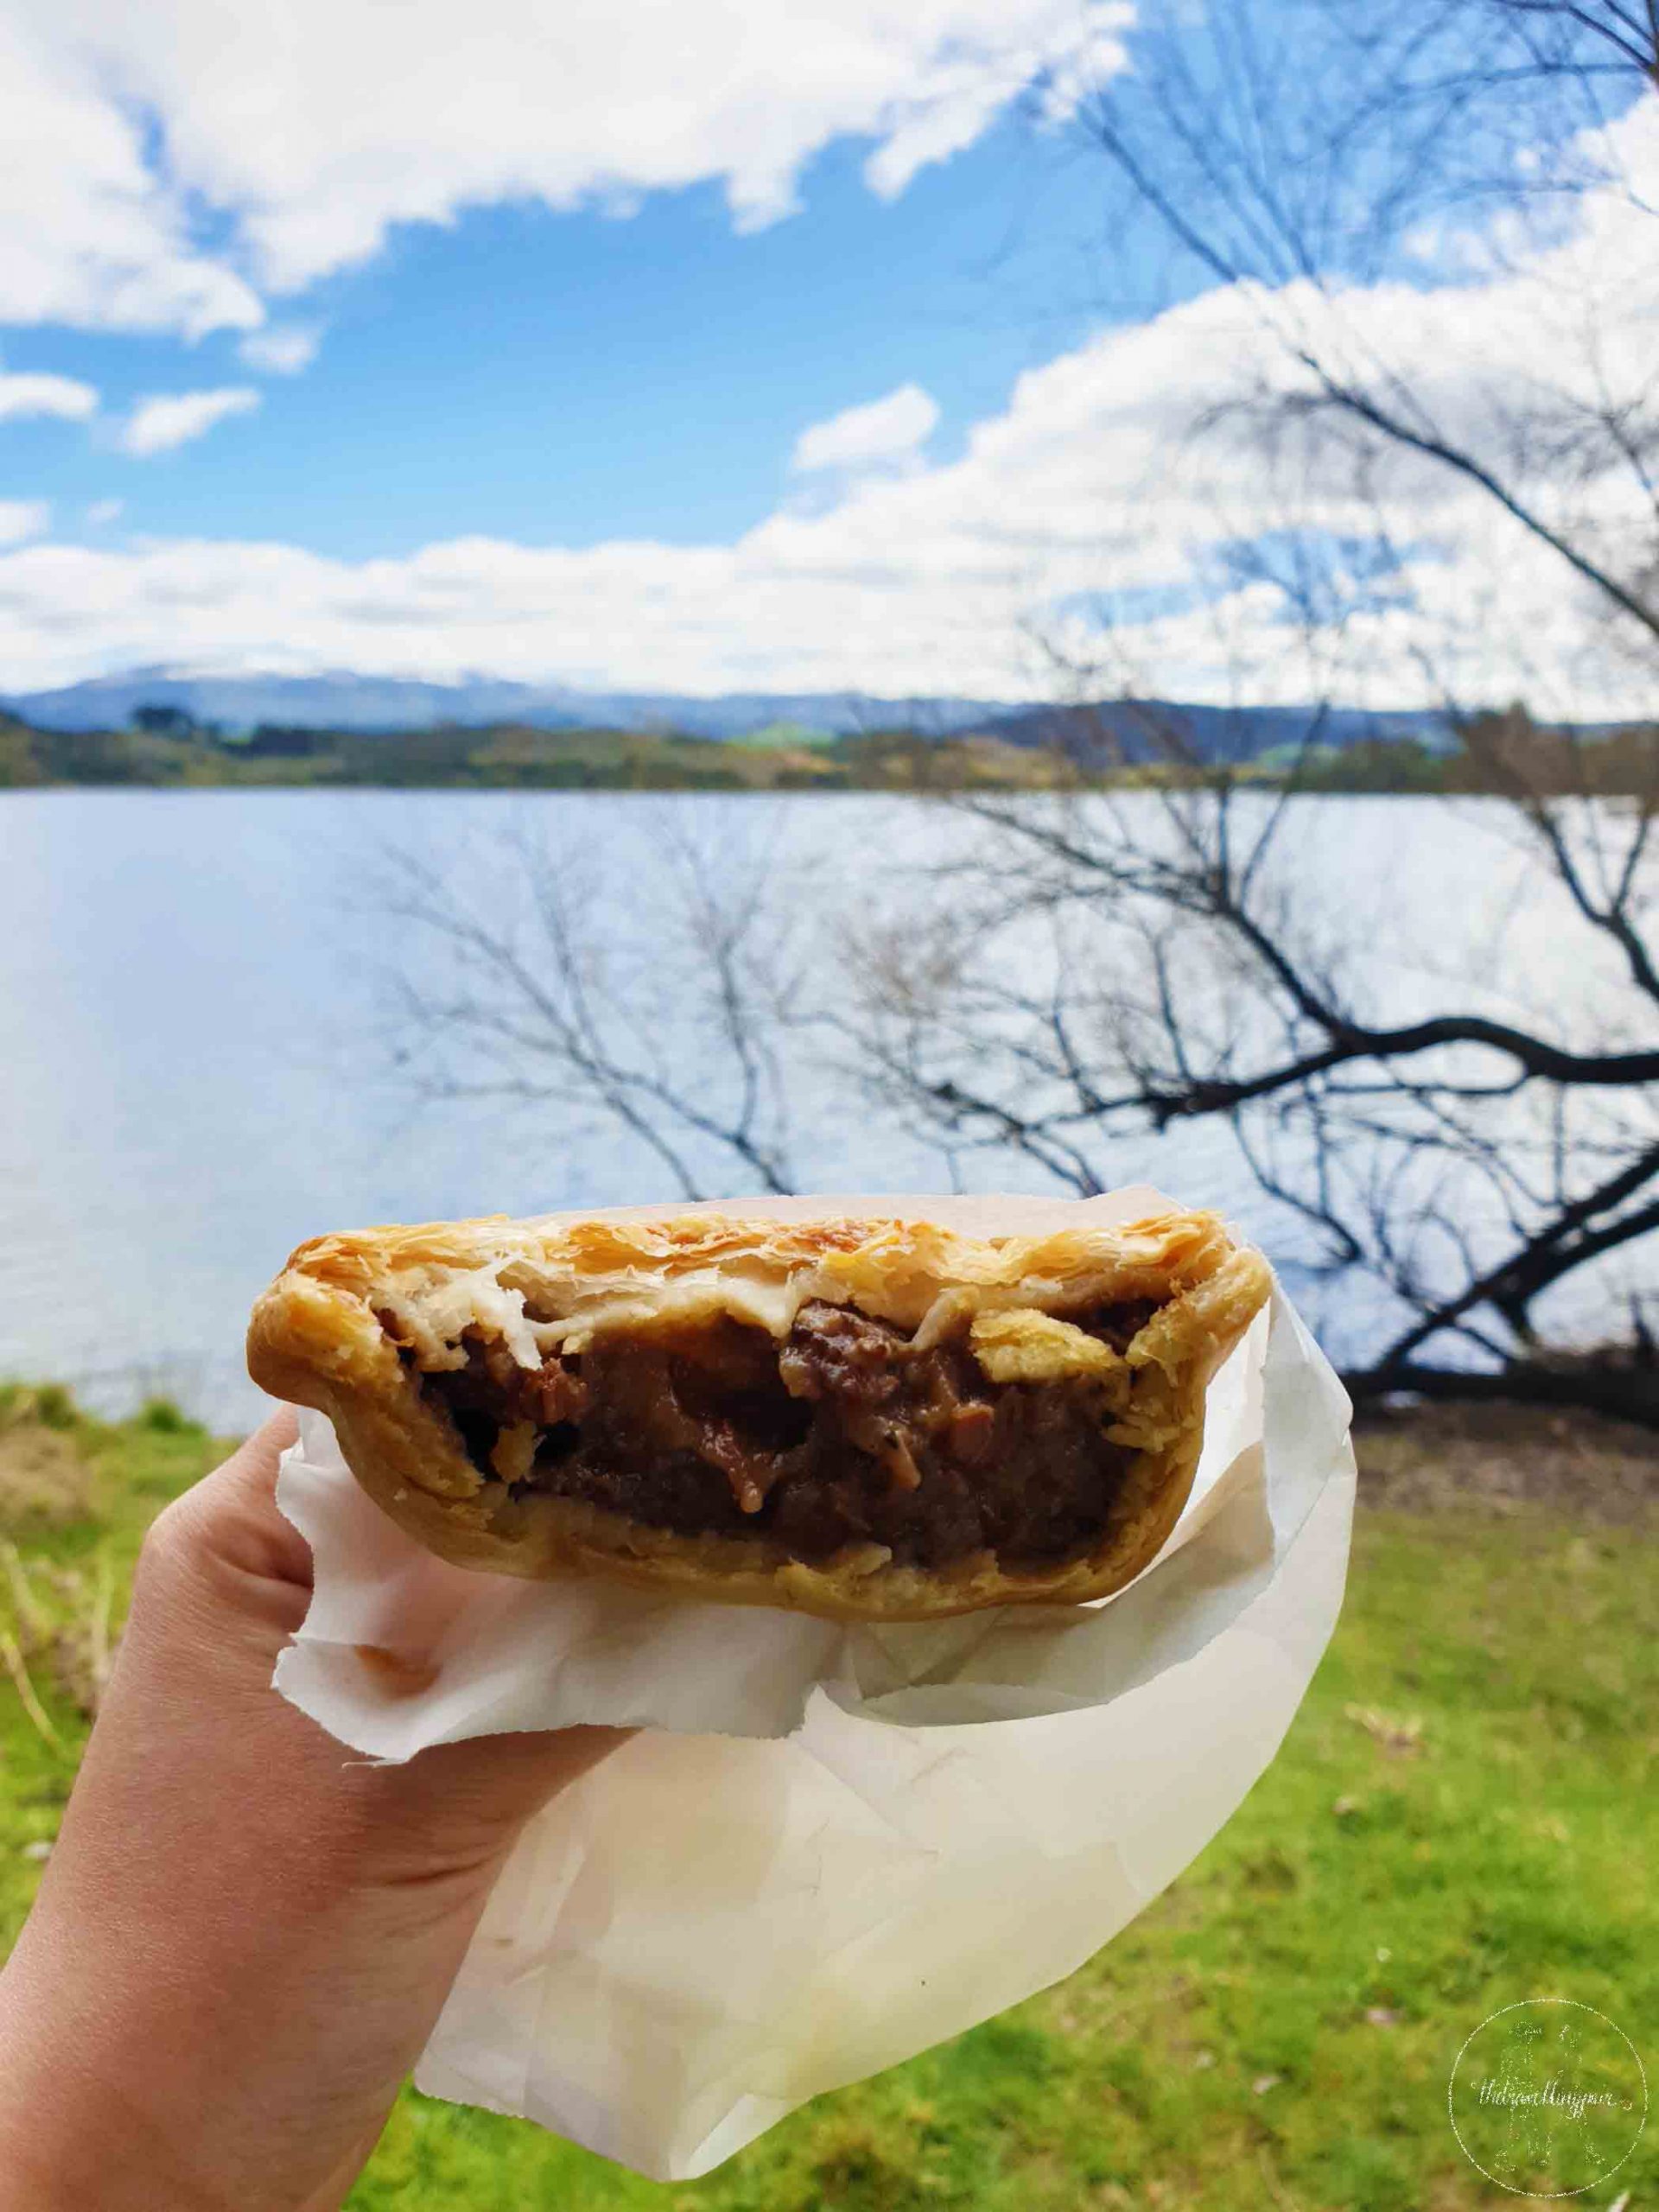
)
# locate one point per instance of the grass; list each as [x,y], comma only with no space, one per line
[1464,1814]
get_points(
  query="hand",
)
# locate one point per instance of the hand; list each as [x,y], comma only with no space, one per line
[245,1933]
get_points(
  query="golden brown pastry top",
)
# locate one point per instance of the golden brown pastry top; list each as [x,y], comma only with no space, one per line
[584,1276]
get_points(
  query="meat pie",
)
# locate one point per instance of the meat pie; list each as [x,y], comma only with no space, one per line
[862,1420]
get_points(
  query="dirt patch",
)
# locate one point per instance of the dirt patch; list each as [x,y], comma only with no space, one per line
[1504,1459]
[44,1481]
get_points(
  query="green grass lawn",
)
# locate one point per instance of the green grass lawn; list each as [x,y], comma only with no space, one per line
[1464,1814]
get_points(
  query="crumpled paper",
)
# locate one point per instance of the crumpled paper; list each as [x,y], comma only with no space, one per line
[835,1846]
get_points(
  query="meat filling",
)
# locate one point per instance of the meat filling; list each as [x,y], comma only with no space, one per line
[845,1434]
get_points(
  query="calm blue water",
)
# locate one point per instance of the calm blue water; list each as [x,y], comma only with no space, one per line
[194,1065]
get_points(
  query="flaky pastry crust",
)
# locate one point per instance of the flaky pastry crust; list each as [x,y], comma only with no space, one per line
[318,1339]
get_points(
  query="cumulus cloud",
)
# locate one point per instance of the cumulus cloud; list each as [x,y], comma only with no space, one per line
[960,93]
[166,419]
[104,511]
[281,351]
[882,432]
[22,394]
[21,518]
[1087,492]
[89,232]
[303,139]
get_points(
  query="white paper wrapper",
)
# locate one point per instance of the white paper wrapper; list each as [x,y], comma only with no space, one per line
[821,1859]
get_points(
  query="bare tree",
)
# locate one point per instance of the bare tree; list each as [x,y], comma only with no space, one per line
[1135,961]
[659,1005]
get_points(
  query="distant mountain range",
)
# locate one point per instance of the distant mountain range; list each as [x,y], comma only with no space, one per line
[1109,731]
[237,704]
[342,701]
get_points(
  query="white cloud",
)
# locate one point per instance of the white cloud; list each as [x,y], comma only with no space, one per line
[1087,482]
[166,419]
[884,431]
[21,518]
[308,136]
[90,234]
[281,351]
[103,511]
[24,394]
[959,93]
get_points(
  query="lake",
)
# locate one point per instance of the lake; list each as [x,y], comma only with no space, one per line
[194,1072]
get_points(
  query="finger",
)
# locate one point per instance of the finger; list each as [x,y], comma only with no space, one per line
[231,1516]
[250,1471]
[221,1567]
[454,1808]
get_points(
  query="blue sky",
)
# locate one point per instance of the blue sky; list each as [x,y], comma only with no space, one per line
[572,377]
[695,344]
